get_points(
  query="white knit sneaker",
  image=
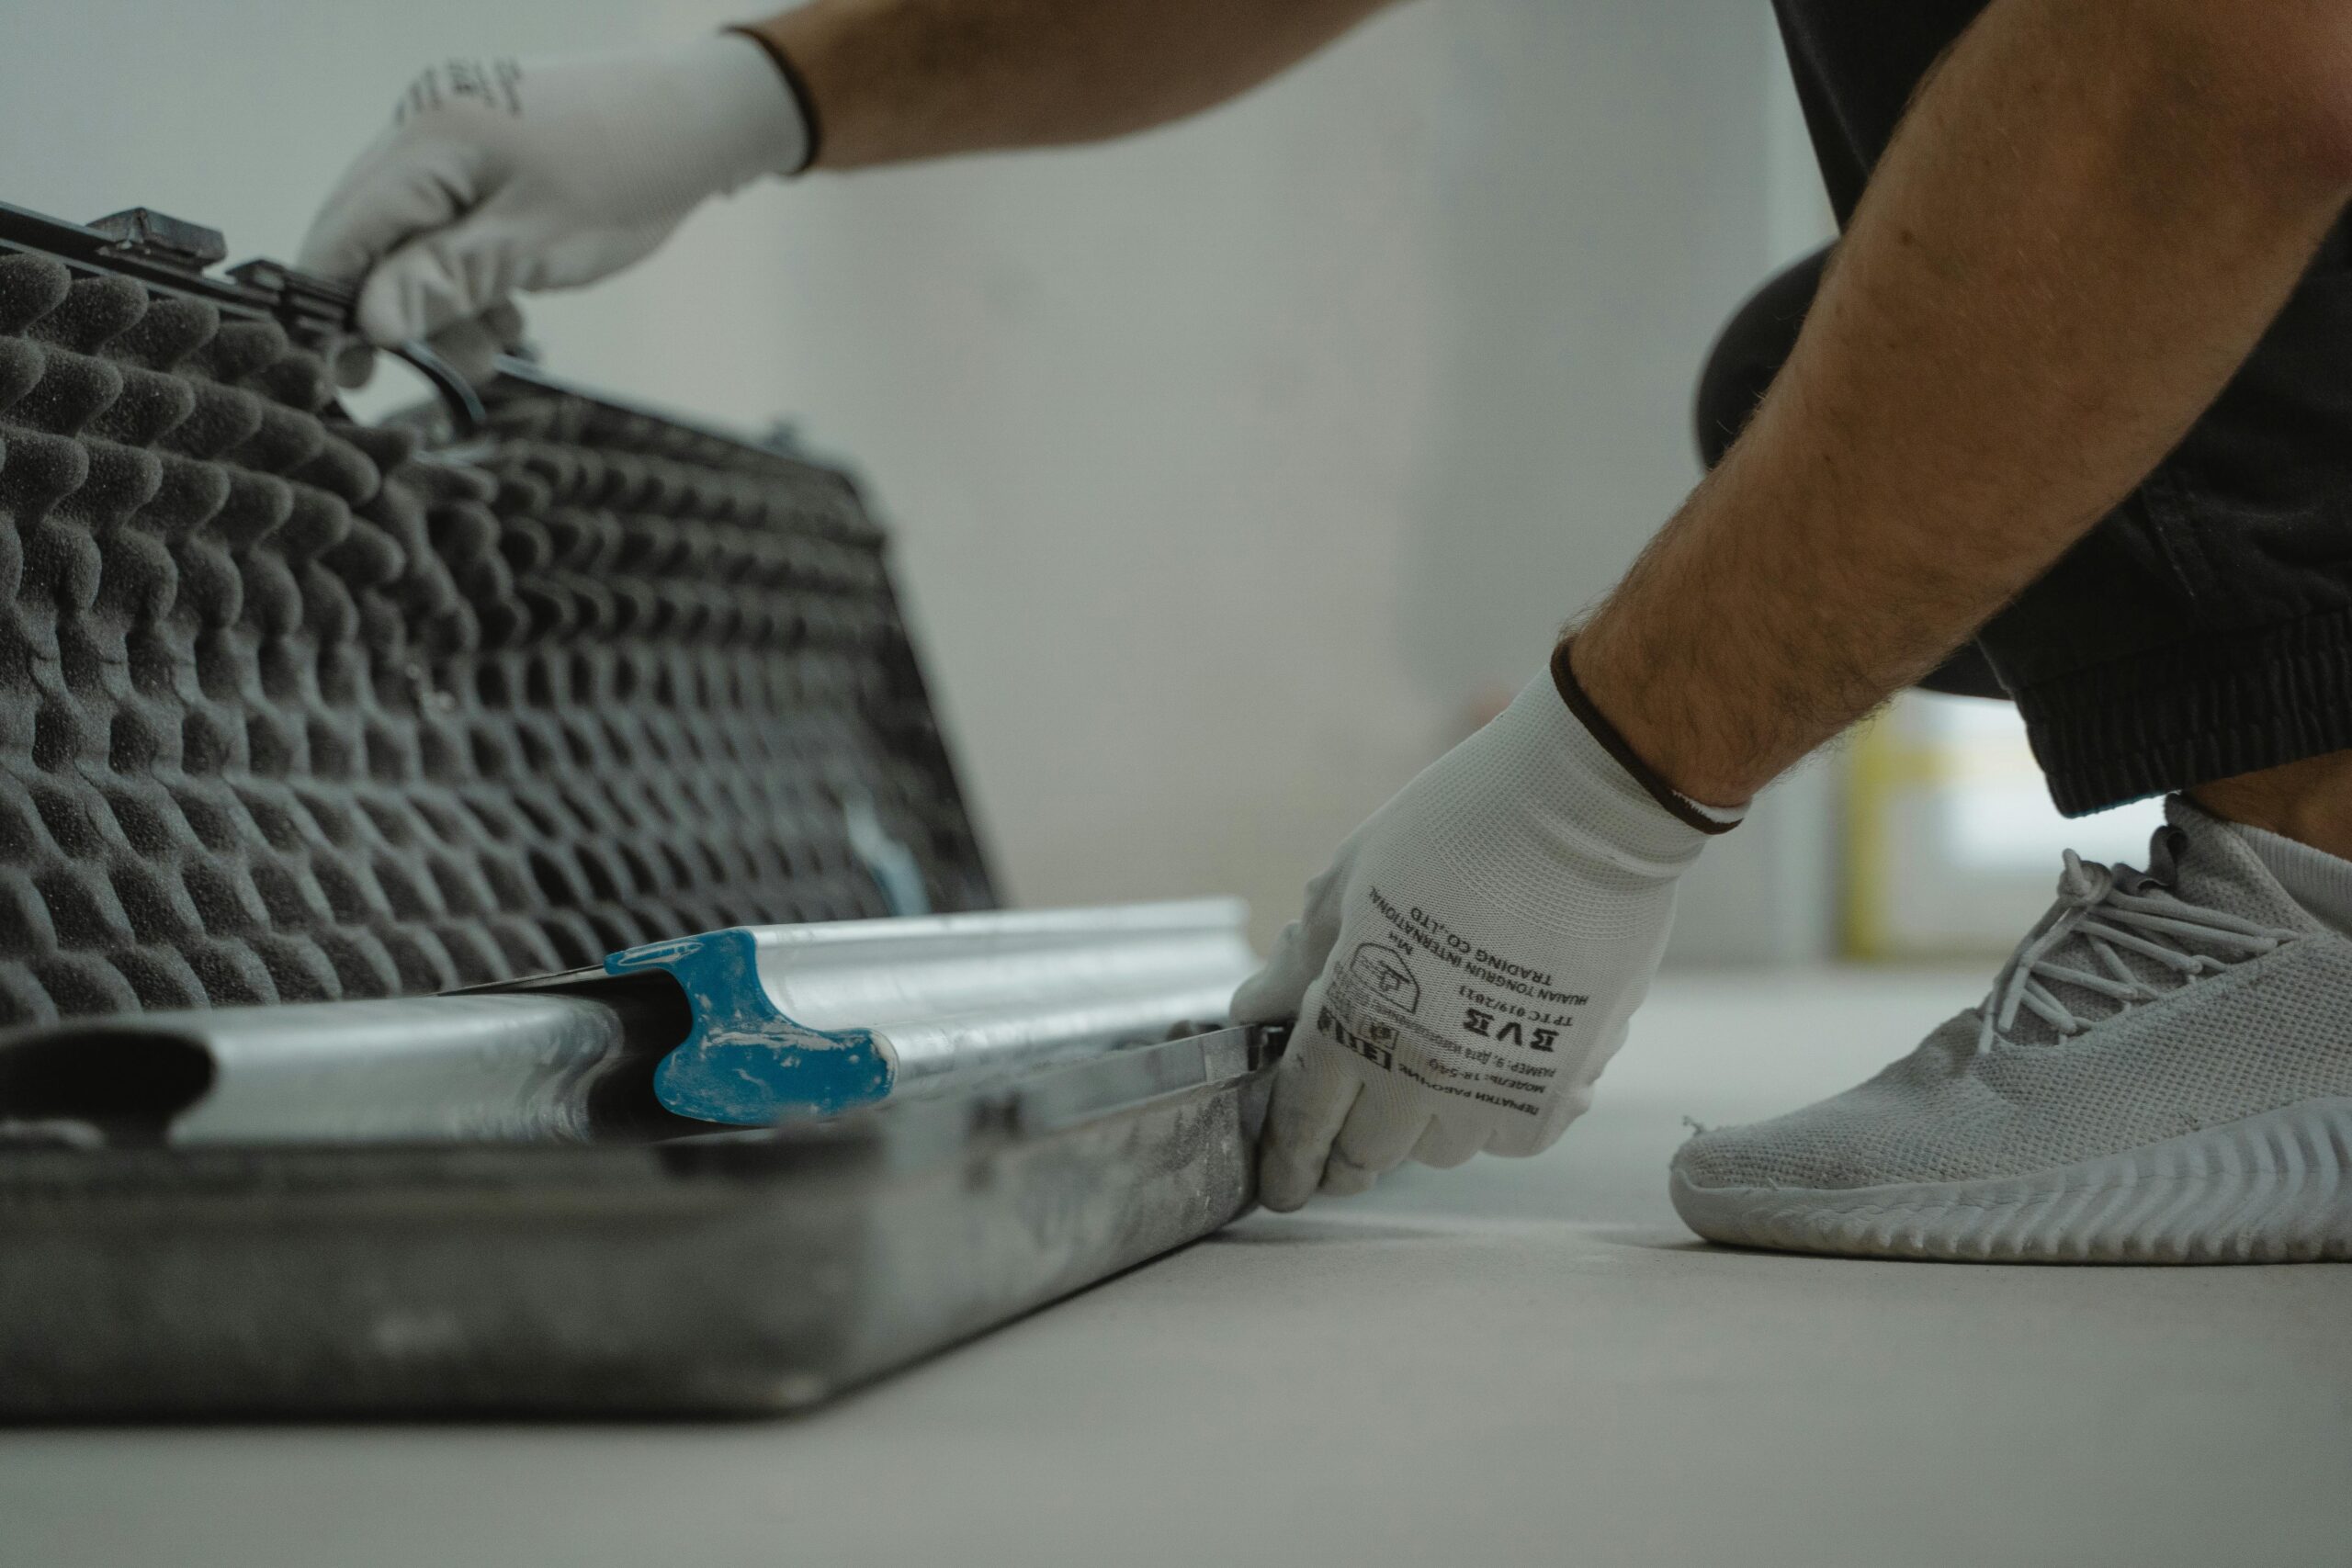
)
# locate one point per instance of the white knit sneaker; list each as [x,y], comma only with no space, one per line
[2162,1074]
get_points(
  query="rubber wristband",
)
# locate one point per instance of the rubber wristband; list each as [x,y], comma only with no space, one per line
[795,84]
[1682,807]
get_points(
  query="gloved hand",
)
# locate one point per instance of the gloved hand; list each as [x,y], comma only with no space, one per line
[499,175]
[1469,961]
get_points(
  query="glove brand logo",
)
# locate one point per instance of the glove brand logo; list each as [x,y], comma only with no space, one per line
[1478,1021]
[1376,1052]
[493,84]
[1383,969]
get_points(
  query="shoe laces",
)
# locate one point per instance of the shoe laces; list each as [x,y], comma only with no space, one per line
[2104,912]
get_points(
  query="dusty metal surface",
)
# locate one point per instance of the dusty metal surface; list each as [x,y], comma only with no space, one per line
[738,1272]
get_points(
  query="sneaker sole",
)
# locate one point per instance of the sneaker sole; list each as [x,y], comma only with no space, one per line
[2271,1188]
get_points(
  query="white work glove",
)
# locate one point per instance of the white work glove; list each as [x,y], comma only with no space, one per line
[1469,961]
[501,175]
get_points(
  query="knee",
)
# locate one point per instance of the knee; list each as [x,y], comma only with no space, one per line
[1749,352]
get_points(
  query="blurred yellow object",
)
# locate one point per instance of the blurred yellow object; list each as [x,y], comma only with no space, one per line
[1882,763]
[1952,844]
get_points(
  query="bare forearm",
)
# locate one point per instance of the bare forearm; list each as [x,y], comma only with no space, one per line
[2087,220]
[895,80]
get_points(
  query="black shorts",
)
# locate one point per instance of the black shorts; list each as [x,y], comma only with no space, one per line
[2204,627]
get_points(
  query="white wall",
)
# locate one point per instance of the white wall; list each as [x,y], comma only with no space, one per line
[1233,467]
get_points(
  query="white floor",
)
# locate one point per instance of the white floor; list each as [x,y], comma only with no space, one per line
[1515,1362]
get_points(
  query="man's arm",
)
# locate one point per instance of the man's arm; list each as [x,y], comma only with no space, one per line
[2086,221]
[902,79]
[500,176]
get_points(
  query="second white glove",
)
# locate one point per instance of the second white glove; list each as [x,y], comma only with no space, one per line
[1470,961]
[501,175]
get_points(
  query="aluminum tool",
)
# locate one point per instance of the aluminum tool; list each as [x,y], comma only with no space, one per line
[747,1026]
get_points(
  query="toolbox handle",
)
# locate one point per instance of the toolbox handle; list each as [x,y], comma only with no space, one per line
[323,311]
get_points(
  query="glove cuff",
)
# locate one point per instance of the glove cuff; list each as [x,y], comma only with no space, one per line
[796,86]
[1706,820]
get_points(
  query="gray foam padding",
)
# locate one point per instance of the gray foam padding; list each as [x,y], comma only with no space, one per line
[289,711]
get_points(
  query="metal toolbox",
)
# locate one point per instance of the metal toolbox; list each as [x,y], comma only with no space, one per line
[381,807]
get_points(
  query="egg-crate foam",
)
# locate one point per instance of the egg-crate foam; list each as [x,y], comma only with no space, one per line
[293,710]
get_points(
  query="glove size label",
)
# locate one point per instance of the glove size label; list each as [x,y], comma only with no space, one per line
[1486,1043]
[493,84]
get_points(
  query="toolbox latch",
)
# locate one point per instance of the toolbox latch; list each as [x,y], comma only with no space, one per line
[155,236]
